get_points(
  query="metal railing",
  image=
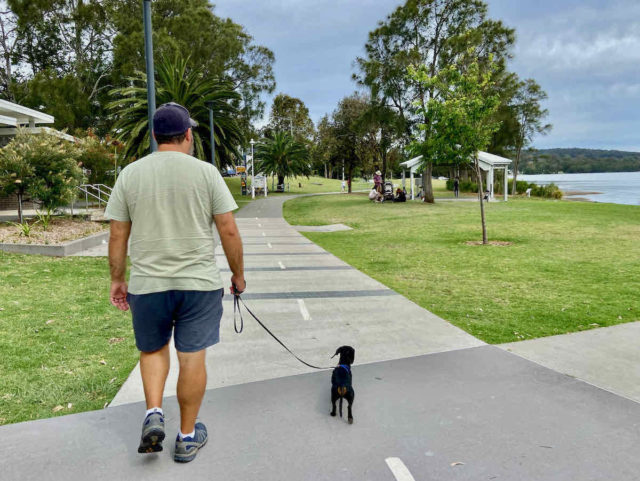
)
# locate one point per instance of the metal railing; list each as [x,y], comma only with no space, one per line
[100,192]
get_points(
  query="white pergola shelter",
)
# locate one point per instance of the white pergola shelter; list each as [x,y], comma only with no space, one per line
[412,165]
[488,164]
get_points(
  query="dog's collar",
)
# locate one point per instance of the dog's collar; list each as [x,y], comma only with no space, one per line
[345,366]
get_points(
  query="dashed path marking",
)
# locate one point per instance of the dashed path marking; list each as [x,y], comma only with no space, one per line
[269,245]
[303,310]
[264,235]
[399,470]
[281,265]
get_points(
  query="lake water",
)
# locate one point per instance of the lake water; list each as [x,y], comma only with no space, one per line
[615,187]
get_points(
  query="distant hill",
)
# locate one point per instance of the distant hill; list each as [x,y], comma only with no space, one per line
[551,161]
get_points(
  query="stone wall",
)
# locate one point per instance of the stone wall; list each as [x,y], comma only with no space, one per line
[11,203]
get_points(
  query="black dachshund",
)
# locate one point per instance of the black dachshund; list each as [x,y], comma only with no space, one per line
[341,385]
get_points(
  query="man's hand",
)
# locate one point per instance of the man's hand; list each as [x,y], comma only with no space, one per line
[238,285]
[119,295]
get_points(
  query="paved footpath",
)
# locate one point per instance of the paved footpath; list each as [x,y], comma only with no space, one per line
[432,402]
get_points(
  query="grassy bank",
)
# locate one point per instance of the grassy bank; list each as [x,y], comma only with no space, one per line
[571,266]
[61,343]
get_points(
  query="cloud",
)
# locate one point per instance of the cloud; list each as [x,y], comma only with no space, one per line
[584,53]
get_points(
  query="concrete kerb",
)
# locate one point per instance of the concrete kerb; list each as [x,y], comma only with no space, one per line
[61,250]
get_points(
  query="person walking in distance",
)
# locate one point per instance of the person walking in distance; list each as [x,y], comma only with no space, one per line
[164,207]
[456,187]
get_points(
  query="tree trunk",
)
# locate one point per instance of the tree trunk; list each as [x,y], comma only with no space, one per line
[427,185]
[485,239]
[384,164]
[280,181]
[20,216]
[349,178]
[326,174]
[514,190]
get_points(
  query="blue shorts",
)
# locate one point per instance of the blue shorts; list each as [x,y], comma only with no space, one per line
[192,316]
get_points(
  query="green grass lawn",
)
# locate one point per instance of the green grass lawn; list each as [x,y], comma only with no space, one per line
[297,185]
[61,342]
[571,266]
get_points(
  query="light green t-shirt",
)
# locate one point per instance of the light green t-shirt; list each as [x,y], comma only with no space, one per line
[170,199]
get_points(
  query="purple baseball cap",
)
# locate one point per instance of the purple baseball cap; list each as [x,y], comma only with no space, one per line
[172,119]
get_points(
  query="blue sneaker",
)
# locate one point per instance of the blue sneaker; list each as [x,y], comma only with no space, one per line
[187,448]
[152,434]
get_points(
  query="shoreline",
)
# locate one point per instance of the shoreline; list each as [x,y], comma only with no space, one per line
[579,192]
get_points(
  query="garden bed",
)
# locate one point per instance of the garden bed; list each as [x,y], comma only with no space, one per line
[59,231]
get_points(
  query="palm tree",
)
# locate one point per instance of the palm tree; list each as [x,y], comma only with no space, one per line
[283,156]
[176,82]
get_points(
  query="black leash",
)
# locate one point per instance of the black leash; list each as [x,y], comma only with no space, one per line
[237,312]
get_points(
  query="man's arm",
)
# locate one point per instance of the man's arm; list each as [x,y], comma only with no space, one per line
[232,245]
[118,242]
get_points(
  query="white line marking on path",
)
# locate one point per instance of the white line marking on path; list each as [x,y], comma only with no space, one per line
[269,245]
[264,235]
[399,470]
[303,310]
[259,225]
[281,265]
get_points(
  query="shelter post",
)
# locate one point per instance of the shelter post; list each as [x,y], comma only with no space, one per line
[505,183]
[412,194]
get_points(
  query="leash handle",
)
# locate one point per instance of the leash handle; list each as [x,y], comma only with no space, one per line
[237,301]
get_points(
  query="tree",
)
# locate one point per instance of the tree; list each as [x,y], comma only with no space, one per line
[292,115]
[8,44]
[462,119]
[66,55]
[177,82]
[217,46]
[282,155]
[382,128]
[98,156]
[350,143]
[322,148]
[64,49]
[429,33]
[529,115]
[43,166]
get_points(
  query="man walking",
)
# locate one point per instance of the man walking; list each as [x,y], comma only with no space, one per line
[164,206]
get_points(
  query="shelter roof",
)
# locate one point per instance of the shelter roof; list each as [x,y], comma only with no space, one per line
[16,115]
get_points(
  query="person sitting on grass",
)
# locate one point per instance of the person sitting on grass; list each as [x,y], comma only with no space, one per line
[376,196]
[401,196]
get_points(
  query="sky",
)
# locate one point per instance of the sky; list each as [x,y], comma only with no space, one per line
[584,53]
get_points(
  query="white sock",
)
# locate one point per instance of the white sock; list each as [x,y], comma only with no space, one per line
[153,410]
[190,435]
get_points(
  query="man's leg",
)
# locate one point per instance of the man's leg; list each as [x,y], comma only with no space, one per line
[192,382]
[154,367]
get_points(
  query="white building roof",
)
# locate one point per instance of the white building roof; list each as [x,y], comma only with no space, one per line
[16,115]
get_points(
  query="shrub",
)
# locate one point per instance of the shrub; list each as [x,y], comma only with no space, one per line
[550,191]
[464,186]
[98,156]
[46,165]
